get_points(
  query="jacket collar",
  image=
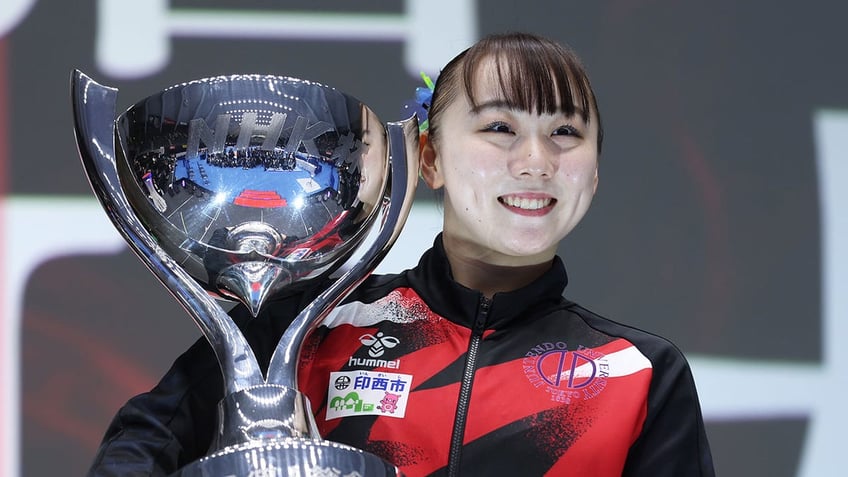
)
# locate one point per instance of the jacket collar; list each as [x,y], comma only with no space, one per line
[433,280]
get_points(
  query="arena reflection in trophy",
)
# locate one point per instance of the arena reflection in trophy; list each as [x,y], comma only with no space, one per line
[236,188]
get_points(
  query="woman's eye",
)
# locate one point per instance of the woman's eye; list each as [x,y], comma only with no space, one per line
[566,131]
[498,127]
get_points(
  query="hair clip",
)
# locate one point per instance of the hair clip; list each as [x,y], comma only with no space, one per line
[421,104]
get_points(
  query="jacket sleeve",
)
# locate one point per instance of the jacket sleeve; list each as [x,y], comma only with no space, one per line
[673,441]
[158,432]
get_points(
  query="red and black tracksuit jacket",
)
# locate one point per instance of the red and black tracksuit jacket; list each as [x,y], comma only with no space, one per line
[527,383]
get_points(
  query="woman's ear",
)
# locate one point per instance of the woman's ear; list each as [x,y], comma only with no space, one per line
[595,184]
[430,167]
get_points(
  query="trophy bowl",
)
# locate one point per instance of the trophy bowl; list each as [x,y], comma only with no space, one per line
[238,188]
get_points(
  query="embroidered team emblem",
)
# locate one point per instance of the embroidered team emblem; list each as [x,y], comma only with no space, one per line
[364,393]
[566,375]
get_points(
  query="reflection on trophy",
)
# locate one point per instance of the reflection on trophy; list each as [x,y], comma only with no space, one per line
[238,188]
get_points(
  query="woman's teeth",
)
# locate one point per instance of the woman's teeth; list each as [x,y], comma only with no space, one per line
[525,203]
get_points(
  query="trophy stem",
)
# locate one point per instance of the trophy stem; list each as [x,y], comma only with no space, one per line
[94,111]
[404,179]
[264,413]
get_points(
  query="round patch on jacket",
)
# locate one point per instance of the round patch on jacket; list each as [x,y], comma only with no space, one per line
[566,375]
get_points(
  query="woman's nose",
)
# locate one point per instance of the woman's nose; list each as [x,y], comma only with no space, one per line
[534,158]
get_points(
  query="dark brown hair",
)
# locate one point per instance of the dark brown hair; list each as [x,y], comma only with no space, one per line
[535,74]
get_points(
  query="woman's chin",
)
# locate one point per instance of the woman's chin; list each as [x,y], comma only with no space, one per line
[528,252]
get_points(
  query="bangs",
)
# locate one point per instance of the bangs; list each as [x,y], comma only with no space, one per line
[531,73]
[543,78]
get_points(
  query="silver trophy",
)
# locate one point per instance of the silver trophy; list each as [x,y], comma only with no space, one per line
[236,188]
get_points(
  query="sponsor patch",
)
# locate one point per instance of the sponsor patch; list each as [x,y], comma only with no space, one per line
[367,393]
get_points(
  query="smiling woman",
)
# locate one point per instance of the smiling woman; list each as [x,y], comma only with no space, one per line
[484,368]
[519,165]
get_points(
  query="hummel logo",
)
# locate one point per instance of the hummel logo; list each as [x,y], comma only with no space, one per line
[378,344]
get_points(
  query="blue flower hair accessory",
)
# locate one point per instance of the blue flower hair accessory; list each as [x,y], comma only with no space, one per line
[421,104]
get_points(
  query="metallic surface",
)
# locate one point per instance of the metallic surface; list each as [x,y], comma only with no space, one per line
[236,188]
[289,458]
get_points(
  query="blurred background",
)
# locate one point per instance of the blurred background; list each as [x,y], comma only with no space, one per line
[717,223]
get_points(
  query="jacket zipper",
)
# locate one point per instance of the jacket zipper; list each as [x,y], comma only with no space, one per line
[465,387]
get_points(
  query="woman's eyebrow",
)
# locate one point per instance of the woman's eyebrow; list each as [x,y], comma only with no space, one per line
[502,104]
[491,104]
[578,111]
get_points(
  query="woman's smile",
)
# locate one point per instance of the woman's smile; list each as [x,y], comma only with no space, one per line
[528,204]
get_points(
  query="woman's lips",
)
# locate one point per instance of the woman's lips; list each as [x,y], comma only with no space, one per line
[528,205]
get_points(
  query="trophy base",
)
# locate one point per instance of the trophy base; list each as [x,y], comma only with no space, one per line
[290,457]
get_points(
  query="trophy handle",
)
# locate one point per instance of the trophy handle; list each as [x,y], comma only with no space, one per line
[403,173]
[94,108]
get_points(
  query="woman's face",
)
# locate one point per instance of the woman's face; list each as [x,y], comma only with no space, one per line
[516,182]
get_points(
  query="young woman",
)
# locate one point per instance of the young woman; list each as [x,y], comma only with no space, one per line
[472,363]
